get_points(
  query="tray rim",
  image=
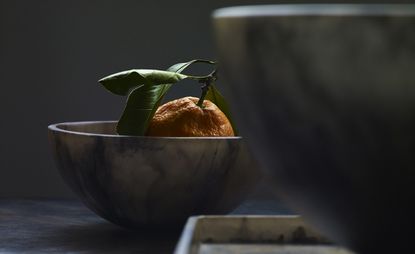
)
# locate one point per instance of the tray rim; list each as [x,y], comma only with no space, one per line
[185,243]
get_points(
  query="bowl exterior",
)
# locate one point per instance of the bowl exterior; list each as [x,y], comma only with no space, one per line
[327,102]
[139,181]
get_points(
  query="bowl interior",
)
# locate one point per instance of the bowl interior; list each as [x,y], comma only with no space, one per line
[102,127]
[108,129]
[316,10]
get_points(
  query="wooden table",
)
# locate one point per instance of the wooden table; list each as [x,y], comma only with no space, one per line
[67,226]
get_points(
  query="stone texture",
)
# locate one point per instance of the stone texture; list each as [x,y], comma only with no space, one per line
[325,96]
[149,181]
[253,234]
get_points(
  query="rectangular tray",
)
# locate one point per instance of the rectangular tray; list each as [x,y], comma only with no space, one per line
[252,234]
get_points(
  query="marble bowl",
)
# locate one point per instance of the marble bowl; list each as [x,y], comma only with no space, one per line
[151,181]
[326,100]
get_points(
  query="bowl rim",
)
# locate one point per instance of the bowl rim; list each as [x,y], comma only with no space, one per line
[268,10]
[56,127]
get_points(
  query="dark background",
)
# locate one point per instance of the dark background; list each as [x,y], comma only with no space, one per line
[53,52]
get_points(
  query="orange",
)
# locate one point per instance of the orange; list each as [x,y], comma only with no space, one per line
[183,118]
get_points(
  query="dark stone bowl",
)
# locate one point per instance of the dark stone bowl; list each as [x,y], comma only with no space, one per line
[325,96]
[151,181]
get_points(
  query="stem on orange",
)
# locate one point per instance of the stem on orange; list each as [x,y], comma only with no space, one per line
[205,87]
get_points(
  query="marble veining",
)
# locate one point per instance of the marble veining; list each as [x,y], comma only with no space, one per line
[327,102]
[142,181]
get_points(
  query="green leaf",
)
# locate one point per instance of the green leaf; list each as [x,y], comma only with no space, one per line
[122,83]
[144,100]
[217,98]
[139,110]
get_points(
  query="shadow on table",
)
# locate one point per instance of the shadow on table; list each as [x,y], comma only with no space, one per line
[105,237]
[60,226]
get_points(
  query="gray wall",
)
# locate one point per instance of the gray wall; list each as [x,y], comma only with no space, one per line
[53,52]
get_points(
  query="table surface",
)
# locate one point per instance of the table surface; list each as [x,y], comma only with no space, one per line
[67,226]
